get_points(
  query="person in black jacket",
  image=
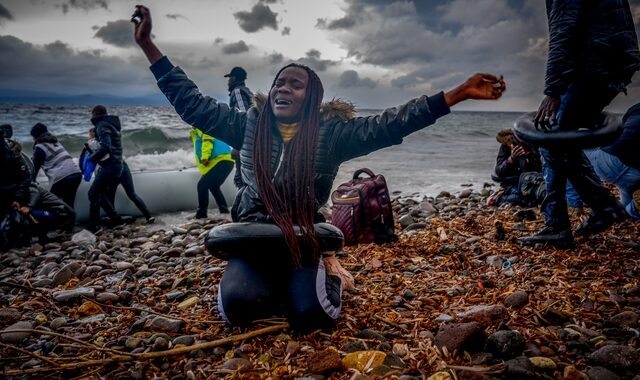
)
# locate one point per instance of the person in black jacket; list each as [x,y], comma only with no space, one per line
[108,177]
[15,176]
[593,53]
[240,97]
[291,149]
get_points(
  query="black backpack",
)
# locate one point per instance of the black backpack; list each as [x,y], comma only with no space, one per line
[532,188]
[15,231]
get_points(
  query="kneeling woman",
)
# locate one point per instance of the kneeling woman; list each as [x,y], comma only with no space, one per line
[290,151]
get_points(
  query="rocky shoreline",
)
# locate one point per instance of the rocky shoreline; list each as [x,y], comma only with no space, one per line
[454,298]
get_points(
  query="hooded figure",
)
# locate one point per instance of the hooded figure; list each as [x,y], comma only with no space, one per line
[108,177]
[48,154]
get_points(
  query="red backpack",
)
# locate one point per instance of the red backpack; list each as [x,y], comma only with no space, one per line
[362,209]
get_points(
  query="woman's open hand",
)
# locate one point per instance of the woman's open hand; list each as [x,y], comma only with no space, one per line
[478,86]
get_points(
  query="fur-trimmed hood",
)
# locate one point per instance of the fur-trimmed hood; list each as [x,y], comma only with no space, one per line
[507,137]
[333,109]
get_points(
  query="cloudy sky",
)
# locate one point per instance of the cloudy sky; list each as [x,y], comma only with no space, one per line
[376,53]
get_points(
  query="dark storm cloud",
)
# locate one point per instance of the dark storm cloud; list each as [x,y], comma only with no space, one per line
[313,60]
[258,18]
[235,48]
[351,78]
[286,31]
[118,33]
[436,44]
[276,58]
[175,16]
[5,14]
[346,22]
[85,5]
[57,67]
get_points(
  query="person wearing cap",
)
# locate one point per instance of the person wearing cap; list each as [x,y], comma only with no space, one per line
[50,156]
[240,97]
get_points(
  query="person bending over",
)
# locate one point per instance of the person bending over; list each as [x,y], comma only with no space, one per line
[291,149]
[48,154]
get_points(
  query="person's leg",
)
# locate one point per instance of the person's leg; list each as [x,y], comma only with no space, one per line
[203,196]
[67,188]
[315,297]
[126,180]
[573,199]
[219,173]
[95,193]
[249,291]
[111,180]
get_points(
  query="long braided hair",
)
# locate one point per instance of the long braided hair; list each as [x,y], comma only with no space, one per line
[290,198]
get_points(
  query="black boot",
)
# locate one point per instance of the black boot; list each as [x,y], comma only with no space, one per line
[558,237]
[201,213]
[600,221]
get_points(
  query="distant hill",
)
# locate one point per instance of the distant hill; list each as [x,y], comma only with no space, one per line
[38,97]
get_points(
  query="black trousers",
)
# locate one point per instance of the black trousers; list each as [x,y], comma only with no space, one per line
[67,188]
[126,181]
[103,184]
[211,182]
[262,287]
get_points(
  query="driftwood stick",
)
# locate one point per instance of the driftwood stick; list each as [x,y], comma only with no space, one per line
[151,311]
[32,354]
[51,333]
[149,355]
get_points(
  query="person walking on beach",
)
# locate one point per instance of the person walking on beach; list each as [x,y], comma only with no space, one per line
[291,148]
[213,159]
[48,154]
[108,135]
[126,181]
[593,53]
[239,97]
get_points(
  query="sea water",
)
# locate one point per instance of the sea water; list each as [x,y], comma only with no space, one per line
[458,150]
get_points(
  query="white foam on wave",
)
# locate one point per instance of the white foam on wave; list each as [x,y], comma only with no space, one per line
[173,160]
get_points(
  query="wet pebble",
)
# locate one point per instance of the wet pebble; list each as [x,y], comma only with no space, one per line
[16,337]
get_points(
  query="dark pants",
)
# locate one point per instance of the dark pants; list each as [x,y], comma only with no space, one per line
[126,181]
[103,184]
[67,188]
[211,182]
[580,107]
[253,289]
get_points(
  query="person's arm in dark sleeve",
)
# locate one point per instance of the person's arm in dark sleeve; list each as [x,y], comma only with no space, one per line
[504,164]
[34,196]
[564,22]
[104,137]
[200,111]
[24,182]
[38,159]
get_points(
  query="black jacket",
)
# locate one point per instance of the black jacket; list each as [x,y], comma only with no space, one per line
[507,172]
[341,137]
[592,40]
[108,134]
[15,175]
[240,97]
